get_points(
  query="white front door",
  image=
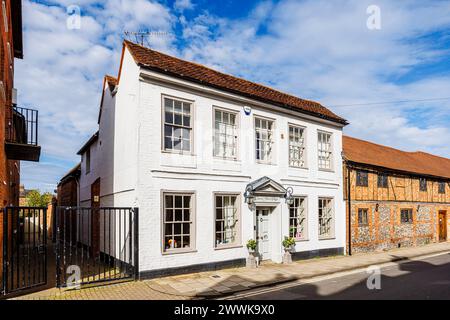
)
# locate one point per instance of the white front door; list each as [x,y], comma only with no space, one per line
[262,233]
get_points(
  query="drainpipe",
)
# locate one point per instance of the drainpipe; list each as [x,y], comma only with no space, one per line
[77,181]
[349,210]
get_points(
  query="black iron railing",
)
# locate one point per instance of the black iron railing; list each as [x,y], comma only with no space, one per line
[25,236]
[96,245]
[22,126]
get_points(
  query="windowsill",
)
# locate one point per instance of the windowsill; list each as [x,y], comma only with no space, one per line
[227,159]
[178,251]
[230,246]
[327,238]
[186,153]
[266,163]
[299,168]
[326,170]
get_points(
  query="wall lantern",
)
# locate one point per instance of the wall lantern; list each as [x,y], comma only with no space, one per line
[248,195]
[288,196]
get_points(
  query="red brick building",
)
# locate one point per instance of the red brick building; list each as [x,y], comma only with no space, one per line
[68,188]
[18,126]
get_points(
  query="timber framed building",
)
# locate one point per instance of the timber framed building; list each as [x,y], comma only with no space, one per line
[394,198]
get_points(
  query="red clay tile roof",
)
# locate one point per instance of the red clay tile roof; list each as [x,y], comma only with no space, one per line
[190,71]
[111,81]
[420,163]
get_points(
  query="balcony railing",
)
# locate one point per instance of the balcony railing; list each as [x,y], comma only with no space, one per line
[22,135]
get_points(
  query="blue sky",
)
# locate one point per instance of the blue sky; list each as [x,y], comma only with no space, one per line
[316,49]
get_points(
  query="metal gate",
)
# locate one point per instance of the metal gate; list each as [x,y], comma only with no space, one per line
[24,248]
[96,245]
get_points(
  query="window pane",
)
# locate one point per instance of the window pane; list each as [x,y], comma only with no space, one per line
[218,116]
[186,242]
[177,240]
[177,229]
[186,121]
[186,145]
[168,229]
[186,108]
[168,104]
[177,144]
[187,201]
[169,117]
[187,215]
[169,201]
[178,119]
[178,215]
[178,201]
[177,106]
[167,143]
[169,215]
[186,228]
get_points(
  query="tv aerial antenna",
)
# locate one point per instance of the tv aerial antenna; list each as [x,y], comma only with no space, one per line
[140,37]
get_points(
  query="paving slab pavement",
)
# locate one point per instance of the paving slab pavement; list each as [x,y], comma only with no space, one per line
[211,284]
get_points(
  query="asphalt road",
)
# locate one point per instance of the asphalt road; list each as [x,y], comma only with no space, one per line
[428,278]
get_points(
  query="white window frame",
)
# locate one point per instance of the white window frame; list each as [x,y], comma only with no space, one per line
[190,127]
[234,135]
[321,148]
[191,221]
[304,216]
[299,149]
[270,143]
[237,229]
[329,216]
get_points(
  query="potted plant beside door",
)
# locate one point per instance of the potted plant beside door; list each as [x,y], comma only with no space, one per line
[251,259]
[288,245]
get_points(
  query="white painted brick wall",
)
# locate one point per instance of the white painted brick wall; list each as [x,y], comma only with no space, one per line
[141,171]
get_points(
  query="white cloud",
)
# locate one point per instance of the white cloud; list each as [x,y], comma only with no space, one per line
[61,74]
[317,49]
[181,5]
[323,50]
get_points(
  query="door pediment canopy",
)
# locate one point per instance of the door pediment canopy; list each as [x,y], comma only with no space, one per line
[265,186]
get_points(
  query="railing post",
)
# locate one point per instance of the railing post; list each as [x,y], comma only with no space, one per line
[37,131]
[45,245]
[4,253]
[57,248]
[136,243]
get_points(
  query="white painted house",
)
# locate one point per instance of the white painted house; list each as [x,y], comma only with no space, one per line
[212,161]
